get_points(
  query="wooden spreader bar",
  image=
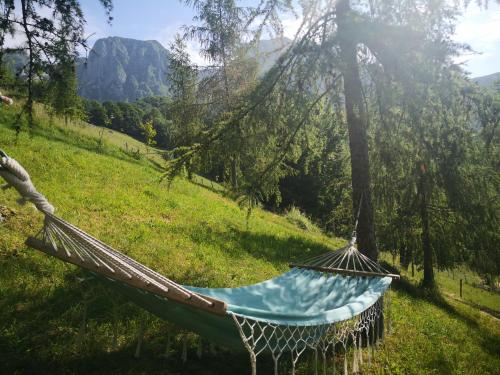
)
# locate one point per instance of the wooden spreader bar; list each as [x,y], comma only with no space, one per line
[175,293]
[344,271]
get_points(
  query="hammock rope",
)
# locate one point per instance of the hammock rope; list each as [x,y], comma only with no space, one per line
[327,302]
[17,177]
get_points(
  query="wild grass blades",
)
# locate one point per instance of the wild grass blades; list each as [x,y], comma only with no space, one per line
[296,217]
[189,233]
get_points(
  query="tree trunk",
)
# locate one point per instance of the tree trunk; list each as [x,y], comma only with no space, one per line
[423,193]
[29,41]
[234,172]
[357,121]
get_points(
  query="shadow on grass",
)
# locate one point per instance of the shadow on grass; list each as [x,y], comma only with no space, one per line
[122,361]
[490,342]
[40,330]
[430,295]
[199,182]
[276,250]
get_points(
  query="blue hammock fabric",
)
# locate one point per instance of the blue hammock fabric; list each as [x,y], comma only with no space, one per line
[299,297]
[302,297]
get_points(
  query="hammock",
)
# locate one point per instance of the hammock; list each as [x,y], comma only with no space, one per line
[331,299]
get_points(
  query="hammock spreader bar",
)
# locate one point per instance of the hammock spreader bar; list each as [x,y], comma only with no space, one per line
[344,271]
[70,244]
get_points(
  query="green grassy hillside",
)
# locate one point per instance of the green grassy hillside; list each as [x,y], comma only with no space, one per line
[54,319]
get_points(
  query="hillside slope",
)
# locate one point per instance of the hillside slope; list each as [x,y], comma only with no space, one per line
[488,80]
[54,319]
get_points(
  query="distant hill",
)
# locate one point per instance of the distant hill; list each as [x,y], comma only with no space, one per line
[487,80]
[122,69]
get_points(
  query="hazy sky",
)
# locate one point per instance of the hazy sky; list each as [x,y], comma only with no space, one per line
[161,19]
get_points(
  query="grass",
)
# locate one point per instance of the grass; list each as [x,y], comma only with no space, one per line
[448,283]
[193,235]
[296,217]
[109,136]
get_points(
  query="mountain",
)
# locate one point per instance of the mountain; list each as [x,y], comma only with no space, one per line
[16,61]
[122,69]
[487,80]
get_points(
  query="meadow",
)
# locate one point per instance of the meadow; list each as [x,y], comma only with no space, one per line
[54,318]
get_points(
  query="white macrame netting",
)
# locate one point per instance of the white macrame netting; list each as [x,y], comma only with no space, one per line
[277,340]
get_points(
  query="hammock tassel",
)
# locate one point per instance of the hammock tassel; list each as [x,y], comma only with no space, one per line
[333,360]
[276,358]
[368,347]
[140,337]
[323,355]
[253,363]
[199,350]
[315,361]
[360,346]
[169,345]
[355,369]
[83,325]
[184,350]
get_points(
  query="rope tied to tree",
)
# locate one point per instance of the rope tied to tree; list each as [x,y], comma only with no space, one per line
[17,177]
[6,99]
[353,236]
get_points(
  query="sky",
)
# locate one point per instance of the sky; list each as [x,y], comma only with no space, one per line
[161,19]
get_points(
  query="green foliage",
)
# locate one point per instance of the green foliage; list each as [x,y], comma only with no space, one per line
[437,128]
[294,216]
[96,114]
[184,111]
[220,31]
[129,117]
[190,234]
[51,43]
[149,133]
[60,92]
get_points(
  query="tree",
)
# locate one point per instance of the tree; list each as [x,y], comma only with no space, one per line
[96,113]
[357,124]
[219,35]
[149,133]
[61,92]
[49,40]
[435,184]
[344,39]
[183,108]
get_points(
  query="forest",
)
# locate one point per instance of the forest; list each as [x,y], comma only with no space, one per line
[366,117]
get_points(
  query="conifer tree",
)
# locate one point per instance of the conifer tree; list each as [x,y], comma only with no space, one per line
[48,40]
[220,35]
[183,108]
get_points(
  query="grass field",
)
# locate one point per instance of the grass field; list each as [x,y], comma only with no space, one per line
[448,283]
[193,235]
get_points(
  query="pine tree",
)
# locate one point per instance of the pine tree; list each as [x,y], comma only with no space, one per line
[220,35]
[49,40]
[183,109]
